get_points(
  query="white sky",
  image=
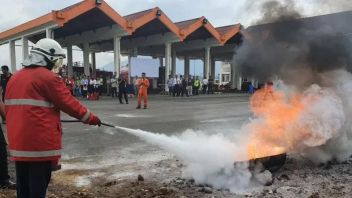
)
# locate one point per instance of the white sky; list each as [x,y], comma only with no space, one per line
[218,12]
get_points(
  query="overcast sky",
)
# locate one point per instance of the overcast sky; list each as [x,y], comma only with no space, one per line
[218,12]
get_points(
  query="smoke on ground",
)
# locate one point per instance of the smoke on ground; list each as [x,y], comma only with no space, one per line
[208,159]
[313,57]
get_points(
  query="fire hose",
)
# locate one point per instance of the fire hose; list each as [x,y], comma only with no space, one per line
[102,123]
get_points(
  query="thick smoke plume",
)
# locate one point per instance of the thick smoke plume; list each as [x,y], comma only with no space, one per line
[313,59]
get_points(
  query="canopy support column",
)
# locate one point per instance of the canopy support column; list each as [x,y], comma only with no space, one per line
[117,53]
[206,62]
[167,63]
[49,33]
[129,67]
[24,48]
[12,56]
[173,70]
[186,66]
[212,68]
[94,65]
[86,58]
[234,80]
[69,61]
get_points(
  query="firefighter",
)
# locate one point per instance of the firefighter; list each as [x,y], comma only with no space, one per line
[34,97]
[143,84]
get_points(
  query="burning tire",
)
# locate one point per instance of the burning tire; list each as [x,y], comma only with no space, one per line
[272,163]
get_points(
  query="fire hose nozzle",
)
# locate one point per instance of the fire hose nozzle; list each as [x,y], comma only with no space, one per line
[102,123]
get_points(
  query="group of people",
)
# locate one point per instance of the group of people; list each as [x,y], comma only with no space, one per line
[85,87]
[189,85]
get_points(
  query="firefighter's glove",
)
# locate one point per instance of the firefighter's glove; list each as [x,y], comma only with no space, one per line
[94,120]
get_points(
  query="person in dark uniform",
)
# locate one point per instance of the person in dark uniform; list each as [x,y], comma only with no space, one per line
[5,77]
[184,82]
[122,90]
[210,85]
[5,181]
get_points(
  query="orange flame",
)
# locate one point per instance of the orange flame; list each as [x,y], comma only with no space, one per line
[274,131]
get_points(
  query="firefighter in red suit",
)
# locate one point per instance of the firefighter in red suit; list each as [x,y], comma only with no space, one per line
[34,98]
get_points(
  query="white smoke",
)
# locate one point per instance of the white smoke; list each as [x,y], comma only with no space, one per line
[208,159]
[338,145]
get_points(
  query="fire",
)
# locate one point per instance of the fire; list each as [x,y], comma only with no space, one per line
[275,130]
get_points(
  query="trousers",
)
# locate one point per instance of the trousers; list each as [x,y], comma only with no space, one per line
[32,178]
[4,175]
[124,93]
[144,95]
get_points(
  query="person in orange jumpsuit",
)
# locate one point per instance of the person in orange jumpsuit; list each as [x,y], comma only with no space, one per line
[143,84]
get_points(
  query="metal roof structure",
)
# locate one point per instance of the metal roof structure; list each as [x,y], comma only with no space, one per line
[94,26]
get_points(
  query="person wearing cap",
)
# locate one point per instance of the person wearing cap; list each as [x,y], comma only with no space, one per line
[34,97]
[143,85]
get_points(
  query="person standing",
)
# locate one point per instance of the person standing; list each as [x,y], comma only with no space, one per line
[170,84]
[211,85]
[5,77]
[250,88]
[143,85]
[196,86]
[122,90]
[84,86]
[184,87]
[5,181]
[179,85]
[91,88]
[100,83]
[174,86]
[113,87]
[204,85]
[190,85]
[34,98]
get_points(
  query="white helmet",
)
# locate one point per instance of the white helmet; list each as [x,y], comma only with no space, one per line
[51,50]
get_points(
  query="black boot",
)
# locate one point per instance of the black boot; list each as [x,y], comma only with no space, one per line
[7,184]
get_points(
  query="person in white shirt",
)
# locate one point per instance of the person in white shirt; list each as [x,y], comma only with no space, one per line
[204,85]
[84,84]
[170,85]
[176,85]
[99,85]
[92,84]
[113,82]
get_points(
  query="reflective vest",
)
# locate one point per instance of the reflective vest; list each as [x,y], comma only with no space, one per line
[197,83]
[33,101]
